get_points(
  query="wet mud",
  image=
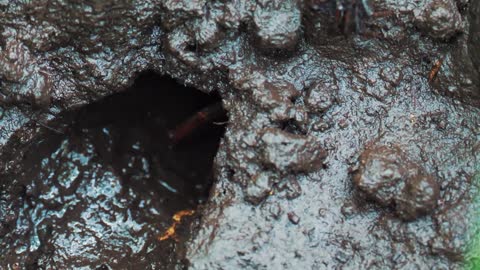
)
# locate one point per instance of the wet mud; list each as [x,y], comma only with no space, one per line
[352,139]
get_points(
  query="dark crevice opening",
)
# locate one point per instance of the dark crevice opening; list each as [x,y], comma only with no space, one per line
[175,129]
[142,156]
[147,116]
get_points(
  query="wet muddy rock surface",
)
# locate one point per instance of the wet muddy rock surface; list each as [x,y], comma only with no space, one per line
[352,139]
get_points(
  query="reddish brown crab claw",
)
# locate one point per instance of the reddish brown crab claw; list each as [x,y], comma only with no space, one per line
[206,115]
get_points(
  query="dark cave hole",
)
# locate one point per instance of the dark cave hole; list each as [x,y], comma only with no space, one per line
[126,166]
[177,128]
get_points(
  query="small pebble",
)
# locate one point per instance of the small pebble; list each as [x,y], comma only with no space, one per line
[293,218]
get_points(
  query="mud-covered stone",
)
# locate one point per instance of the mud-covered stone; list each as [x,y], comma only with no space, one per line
[293,217]
[420,196]
[381,175]
[387,176]
[277,24]
[289,152]
[440,19]
[276,97]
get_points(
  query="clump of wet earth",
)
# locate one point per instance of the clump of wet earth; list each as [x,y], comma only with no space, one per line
[352,138]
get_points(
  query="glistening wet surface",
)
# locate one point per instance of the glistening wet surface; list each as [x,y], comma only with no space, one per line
[102,193]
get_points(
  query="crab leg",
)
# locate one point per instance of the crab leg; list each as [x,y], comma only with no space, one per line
[206,115]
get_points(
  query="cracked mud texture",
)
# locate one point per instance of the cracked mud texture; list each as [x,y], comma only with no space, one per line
[290,78]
